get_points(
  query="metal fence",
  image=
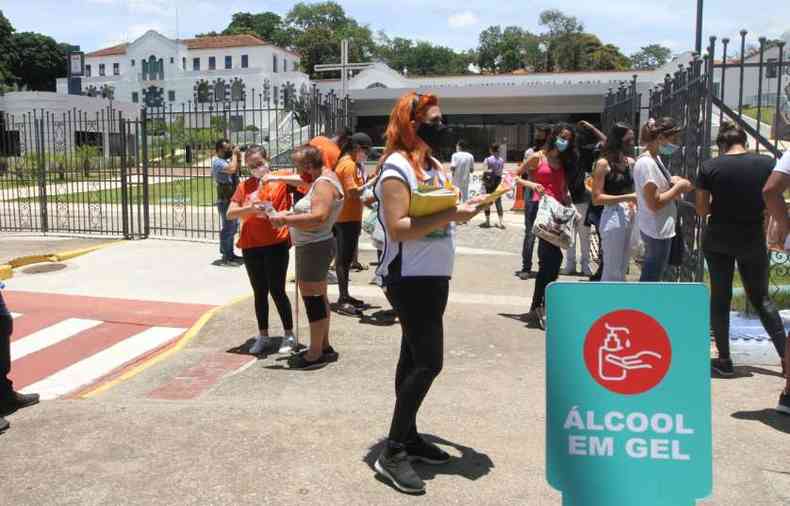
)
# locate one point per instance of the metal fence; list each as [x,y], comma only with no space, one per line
[700,96]
[148,175]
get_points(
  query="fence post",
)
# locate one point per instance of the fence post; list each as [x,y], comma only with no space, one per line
[124,179]
[636,104]
[144,139]
[38,129]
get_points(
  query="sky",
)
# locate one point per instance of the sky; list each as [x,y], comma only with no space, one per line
[629,24]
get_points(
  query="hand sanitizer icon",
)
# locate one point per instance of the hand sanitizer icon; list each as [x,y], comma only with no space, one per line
[609,369]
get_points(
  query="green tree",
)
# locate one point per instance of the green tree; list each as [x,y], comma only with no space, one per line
[268,26]
[422,58]
[510,49]
[317,30]
[7,50]
[38,60]
[651,57]
[560,39]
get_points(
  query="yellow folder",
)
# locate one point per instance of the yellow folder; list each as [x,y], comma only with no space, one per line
[428,201]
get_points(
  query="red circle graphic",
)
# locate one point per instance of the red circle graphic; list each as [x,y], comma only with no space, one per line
[627,352]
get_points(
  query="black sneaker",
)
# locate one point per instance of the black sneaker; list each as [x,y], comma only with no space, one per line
[299,361]
[330,355]
[236,260]
[223,262]
[784,403]
[16,401]
[525,275]
[394,465]
[423,451]
[4,425]
[355,302]
[723,367]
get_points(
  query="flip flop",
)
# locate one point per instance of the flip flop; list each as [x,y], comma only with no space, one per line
[346,309]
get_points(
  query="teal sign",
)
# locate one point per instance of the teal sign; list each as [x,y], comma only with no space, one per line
[628,394]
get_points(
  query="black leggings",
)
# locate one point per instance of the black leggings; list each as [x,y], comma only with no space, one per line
[753,268]
[6,329]
[549,262]
[267,268]
[420,305]
[347,235]
[491,189]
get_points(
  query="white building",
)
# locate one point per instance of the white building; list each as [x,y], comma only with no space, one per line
[156,71]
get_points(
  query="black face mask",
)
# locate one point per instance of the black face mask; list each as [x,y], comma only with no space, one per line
[435,135]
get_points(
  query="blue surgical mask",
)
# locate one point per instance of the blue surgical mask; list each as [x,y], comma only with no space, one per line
[561,144]
[668,149]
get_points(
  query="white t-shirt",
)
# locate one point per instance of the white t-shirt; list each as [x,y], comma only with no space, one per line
[430,256]
[462,164]
[783,164]
[660,224]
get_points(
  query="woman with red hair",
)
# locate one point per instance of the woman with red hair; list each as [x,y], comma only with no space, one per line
[415,267]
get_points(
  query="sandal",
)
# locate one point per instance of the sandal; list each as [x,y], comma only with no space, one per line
[345,309]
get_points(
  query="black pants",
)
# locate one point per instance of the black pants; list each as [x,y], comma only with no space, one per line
[347,235]
[491,188]
[549,262]
[530,213]
[267,268]
[6,329]
[420,305]
[753,267]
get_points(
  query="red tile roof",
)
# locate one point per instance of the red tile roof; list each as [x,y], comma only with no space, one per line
[110,51]
[221,41]
[213,42]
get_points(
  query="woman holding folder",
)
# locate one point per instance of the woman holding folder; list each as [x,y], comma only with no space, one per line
[416,268]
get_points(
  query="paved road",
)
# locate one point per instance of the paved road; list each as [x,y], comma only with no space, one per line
[212,426]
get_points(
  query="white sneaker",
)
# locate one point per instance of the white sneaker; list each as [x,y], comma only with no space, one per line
[261,343]
[288,345]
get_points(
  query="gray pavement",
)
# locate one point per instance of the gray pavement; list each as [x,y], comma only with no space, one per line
[20,245]
[265,435]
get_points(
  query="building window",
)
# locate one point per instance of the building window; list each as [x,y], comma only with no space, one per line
[274,63]
[285,64]
[212,63]
[228,62]
[245,61]
[172,60]
[219,90]
[171,96]
[101,69]
[132,63]
[771,70]
[135,97]
[184,63]
[116,69]
[236,123]
[195,63]
[237,90]
[87,70]
[202,92]
[153,97]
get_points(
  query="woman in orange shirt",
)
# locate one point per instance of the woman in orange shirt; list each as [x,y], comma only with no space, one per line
[264,247]
[350,171]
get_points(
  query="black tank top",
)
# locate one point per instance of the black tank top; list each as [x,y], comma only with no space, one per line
[619,181]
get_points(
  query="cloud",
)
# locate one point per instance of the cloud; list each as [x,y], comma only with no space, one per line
[463,20]
[151,7]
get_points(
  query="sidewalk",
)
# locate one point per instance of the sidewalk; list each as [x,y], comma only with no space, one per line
[210,427]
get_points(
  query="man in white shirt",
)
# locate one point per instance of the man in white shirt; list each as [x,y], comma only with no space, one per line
[462,165]
[773,194]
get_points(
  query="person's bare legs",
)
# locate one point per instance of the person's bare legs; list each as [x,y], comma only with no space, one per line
[319,330]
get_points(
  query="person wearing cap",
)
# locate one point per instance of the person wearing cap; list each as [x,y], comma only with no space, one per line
[350,170]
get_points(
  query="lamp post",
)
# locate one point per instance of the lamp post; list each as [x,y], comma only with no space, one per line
[698,43]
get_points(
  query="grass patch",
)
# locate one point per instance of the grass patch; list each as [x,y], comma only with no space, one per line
[195,191]
[766,116]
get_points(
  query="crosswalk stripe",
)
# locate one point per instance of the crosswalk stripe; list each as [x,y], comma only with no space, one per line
[49,336]
[94,367]
[14,316]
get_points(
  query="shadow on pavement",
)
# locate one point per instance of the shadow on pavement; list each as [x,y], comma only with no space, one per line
[471,465]
[752,370]
[769,417]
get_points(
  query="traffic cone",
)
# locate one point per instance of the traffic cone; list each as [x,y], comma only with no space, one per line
[518,205]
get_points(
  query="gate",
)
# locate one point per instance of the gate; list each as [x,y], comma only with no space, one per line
[147,175]
[752,90]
